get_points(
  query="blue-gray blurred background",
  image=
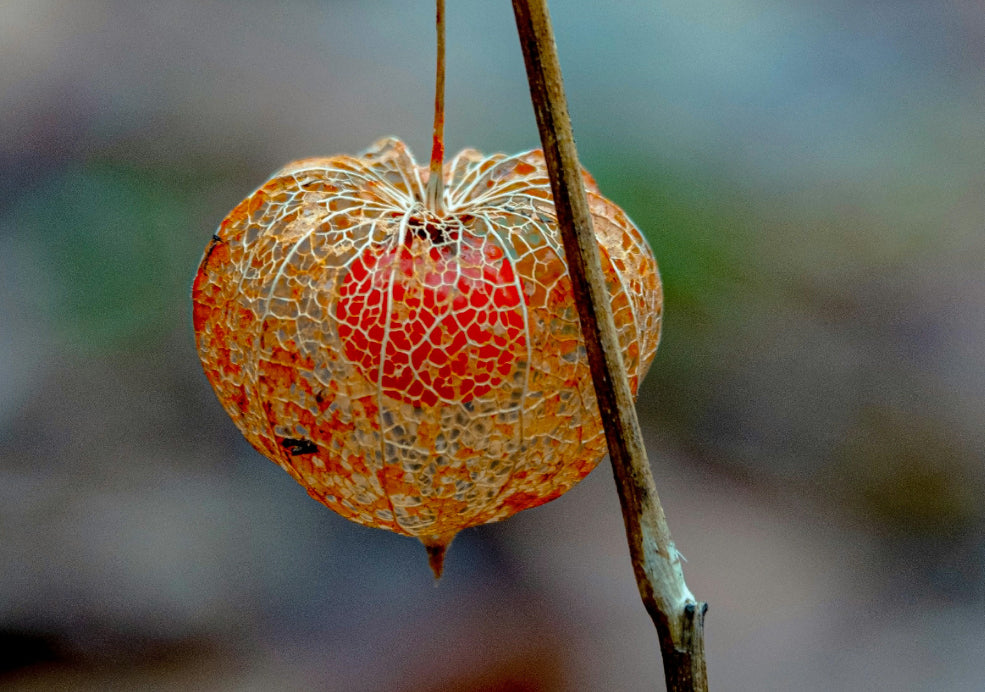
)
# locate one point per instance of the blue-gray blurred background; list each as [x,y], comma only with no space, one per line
[810,175]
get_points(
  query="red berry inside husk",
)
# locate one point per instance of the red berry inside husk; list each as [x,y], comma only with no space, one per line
[435,318]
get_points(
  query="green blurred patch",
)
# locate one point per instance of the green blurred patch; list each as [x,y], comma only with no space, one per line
[698,239]
[116,247]
[703,244]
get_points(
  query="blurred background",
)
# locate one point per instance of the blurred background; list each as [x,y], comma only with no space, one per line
[810,175]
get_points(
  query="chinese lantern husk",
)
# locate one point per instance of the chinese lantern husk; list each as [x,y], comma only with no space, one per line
[313,289]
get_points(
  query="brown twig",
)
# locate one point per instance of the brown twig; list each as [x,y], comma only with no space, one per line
[678,618]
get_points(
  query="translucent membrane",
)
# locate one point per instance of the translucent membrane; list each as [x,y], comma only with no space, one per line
[418,368]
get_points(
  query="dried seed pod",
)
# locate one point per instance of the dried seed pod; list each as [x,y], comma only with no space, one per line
[416,370]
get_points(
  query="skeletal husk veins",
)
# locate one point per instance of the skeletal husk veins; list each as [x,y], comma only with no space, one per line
[416,370]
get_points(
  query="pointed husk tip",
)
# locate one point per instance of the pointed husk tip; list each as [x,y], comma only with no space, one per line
[436,547]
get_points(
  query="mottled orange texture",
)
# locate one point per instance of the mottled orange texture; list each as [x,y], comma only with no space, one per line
[416,370]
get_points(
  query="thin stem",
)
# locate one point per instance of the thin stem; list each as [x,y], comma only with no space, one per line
[678,618]
[435,188]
